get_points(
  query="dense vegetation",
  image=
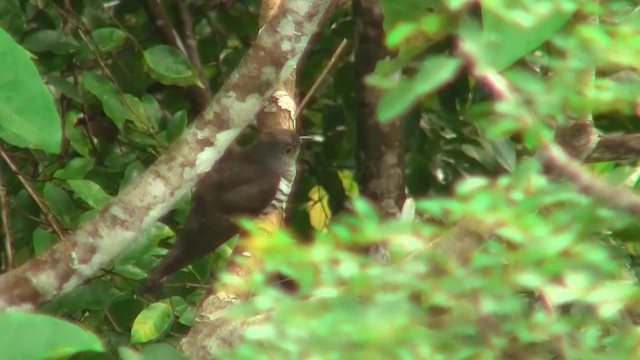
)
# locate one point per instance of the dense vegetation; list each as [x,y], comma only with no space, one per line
[502,247]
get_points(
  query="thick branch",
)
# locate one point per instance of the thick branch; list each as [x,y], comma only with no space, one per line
[617,147]
[380,151]
[552,155]
[583,142]
[211,331]
[115,227]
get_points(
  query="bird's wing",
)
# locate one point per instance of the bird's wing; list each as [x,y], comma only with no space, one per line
[238,189]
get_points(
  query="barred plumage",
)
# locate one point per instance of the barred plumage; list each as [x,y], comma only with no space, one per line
[246,183]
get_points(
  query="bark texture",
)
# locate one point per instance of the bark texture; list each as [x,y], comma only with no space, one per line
[118,225]
[380,150]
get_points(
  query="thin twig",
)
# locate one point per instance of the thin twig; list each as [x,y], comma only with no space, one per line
[552,155]
[191,47]
[161,20]
[41,204]
[336,55]
[6,228]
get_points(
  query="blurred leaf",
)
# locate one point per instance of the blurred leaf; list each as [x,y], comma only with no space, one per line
[75,169]
[167,65]
[149,239]
[176,125]
[112,103]
[79,140]
[42,240]
[35,336]
[129,354]
[152,323]
[162,352]
[90,192]
[434,72]
[96,295]
[318,208]
[58,201]
[132,171]
[506,41]
[50,40]
[136,111]
[152,109]
[108,38]
[11,17]
[65,87]
[28,116]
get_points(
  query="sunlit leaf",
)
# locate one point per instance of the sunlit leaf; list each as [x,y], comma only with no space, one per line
[28,116]
[167,65]
[151,323]
[36,336]
[90,192]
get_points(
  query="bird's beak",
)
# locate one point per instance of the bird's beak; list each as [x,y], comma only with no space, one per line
[311,138]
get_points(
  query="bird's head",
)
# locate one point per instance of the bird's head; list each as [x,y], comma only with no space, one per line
[277,147]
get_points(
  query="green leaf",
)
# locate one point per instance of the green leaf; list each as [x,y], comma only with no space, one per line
[51,40]
[90,192]
[108,38]
[151,323]
[434,72]
[162,352]
[167,65]
[129,354]
[58,201]
[75,169]
[36,336]
[136,111]
[42,240]
[149,239]
[28,116]
[506,40]
[96,295]
[111,100]
[176,125]
[78,139]
[132,171]
[11,17]
[64,86]
[152,109]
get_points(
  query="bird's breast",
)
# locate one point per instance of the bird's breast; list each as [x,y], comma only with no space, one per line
[279,201]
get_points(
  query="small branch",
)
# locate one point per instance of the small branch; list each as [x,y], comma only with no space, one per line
[552,155]
[203,95]
[41,204]
[6,228]
[336,55]
[617,147]
[158,14]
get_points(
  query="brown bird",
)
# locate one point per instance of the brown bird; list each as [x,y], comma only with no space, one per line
[251,182]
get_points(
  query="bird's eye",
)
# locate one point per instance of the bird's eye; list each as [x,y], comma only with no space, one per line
[288,150]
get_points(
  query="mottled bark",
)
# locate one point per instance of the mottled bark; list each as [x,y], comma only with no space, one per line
[118,225]
[211,331]
[380,151]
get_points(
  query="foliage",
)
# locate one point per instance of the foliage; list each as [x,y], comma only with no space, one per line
[120,95]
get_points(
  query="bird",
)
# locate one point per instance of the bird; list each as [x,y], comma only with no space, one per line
[250,182]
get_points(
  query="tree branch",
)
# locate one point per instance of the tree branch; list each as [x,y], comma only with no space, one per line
[552,155]
[380,154]
[6,228]
[118,225]
[211,331]
[202,95]
[59,230]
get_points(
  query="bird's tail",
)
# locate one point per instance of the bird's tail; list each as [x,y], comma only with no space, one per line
[172,262]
